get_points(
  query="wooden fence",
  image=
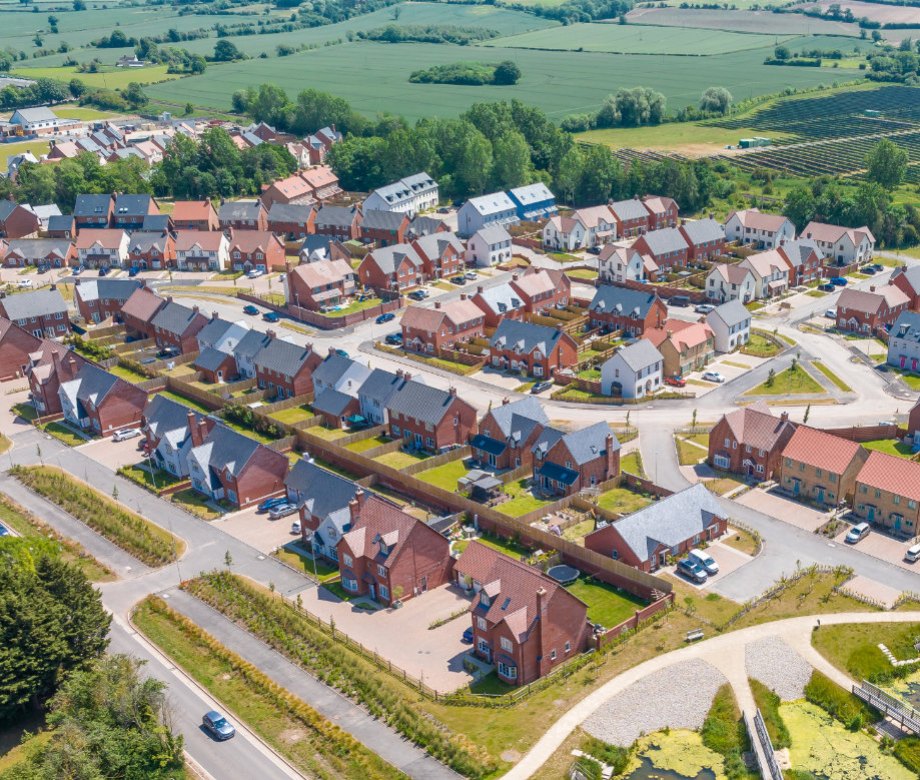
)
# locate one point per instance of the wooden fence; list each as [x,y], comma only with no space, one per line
[208,400]
[323,321]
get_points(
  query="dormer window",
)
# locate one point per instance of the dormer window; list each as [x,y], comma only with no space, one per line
[484,599]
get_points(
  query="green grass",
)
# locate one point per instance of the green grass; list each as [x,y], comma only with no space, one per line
[491,685]
[24,410]
[606,605]
[252,433]
[521,499]
[622,501]
[192,501]
[759,346]
[631,463]
[64,433]
[582,273]
[5,443]
[156,480]
[21,752]
[293,415]
[909,379]
[327,434]
[399,459]
[841,385]
[853,648]
[446,475]
[83,112]
[116,78]
[363,445]
[505,546]
[690,449]
[181,399]
[768,703]
[724,731]
[295,554]
[890,447]
[353,307]
[128,374]
[742,21]
[38,148]
[788,382]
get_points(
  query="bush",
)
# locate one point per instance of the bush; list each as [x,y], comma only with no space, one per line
[90,349]
[907,751]
[768,704]
[838,703]
[724,732]
[468,74]
[611,755]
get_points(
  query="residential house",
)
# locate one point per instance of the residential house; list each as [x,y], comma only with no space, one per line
[100,299]
[630,311]
[913,424]
[16,345]
[887,493]
[43,213]
[662,532]
[336,382]
[39,121]
[771,273]
[323,180]
[542,289]
[294,190]
[152,249]
[93,399]
[705,238]
[375,393]
[318,286]
[43,313]
[428,418]
[533,202]
[820,467]
[442,254]
[221,334]
[226,465]
[498,303]
[423,226]
[383,227]
[731,326]
[870,312]
[175,327]
[631,216]
[565,233]
[18,221]
[761,230]
[617,264]
[904,342]
[93,211]
[524,622]
[246,350]
[250,249]
[485,211]
[285,369]
[507,434]
[242,215]
[410,195]
[341,222]
[750,441]
[316,146]
[634,371]
[157,223]
[61,226]
[202,250]
[667,247]
[322,499]
[907,280]
[290,220]
[535,350]
[731,283]
[138,313]
[443,326]
[195,215]
[565,463]
[167,427]
[489,246]
[51,252]
[130,211]
[663,211]
[315,249]
[102,248]
[685,346]
[388,554]
[842,245]
[392,268]
[805,259]
[216,367]
[45,373]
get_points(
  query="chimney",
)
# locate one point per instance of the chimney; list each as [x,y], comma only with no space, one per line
[355,506]
[195,308]
[331,351]
[71,370]
[541,593]
[452,391]
[214,316]
[169,299]
[407,376]
[515,277]
[480,289]
[784,417]
[437,304]
[399,373]
[611,456]
[506,401]
[202,428]
[872,288]
[193,430]
[287,266]
[463,296]
[271,334]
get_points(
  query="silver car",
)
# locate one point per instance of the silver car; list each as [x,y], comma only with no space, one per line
[282,510]
[217,725]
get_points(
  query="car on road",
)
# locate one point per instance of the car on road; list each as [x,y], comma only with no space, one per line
[282,510]
[271,503]
[458,279]
[539,387]
[713,376]
[675,381]
[394,339]
[250,309]
[681,301]
[444,210]
[255,273]
[857,533]
[295,527]
[705,560]
[690,569]
[418,295]
[385,317]
[467,637]
[126,433]
[704,308]
[912,555]
[217,725]
[831,314]
[271,316]
[827,287]
[77,271]
[838,281]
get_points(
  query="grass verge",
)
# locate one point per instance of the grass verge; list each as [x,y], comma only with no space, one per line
[853,648]
[840,384]
[724,732]
[192,501]
[768,704]
[838,703]
[788,382]
[64,433]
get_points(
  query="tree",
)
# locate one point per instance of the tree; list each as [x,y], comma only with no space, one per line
[886,164]
[507,72]
[226,51]
[632,108]
[799,206]
[77,88]
[135,95]
[781,53]
[79,5]
[716,100]
[771,378]
[511,161]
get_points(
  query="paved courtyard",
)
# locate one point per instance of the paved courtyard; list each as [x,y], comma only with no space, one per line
[729,560]
[880,545]
[877,591]
[249,526]
[777,505]
[114,454]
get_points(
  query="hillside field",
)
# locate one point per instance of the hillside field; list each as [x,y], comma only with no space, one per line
[763,22]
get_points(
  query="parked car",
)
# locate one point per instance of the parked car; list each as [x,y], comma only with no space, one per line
[43,268]
[831,314]
[79,270]
[126,433]
[103,271]
[24,283]
[713,376]
[133,271]
[4,531]
[385,317]
[250,309]
[675,381]
[539,387]
[878,267]
[692,570]
[827,287]
[168,352]
[467,637]
[394,339]
[458,279]
[282,510]
[838,281]
[857,533]
[418,295]
[271,503]
[705,560]
[868,269]
[444,210]
[255,273]
[704,308]
[217,725]
[594,250]
[271,316]
[295,527]
[682,301]
[341,353]
[911,556]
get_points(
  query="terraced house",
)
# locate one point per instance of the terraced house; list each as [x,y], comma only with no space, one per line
[705,239]
[102,248]
[631,217]
[564,463]
[383,227]
[758,229]
[43,313]
[195,215]
[887,493]
[427,418]
[22,252]
[176,327]
[820,467]
[667,247]
[410,195]
[285,369]
[200,250]
[242,215]
[630,311]
[99,299]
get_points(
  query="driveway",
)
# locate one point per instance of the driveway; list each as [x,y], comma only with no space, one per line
[728,558]
[789,511]
[114,454]
[257,530]
[882,546]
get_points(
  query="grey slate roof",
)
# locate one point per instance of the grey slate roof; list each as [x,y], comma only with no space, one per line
[111,289]
[33,304]
[907,326]
[584,444]
[389,257]
[665,240]
[332,401]
[250,344]
[335,216]
[493,234]
[502,298]
[174,318]
[164,415]
[799,250]
[282,356]
[60,222]
[131,205]
[40,247]
[225,448]
[332,368]
[321,492]
[239,210]
[289,212]
[525,337]
[731,313]
[90,384]
[421,402]
[699,231]
[380,385]
[91,205]
[436,244]
[375,219]
[6,208]
[156,223]
[38,114]
[423,226]
[529,194]
[210,359]
[145,240]
[640,354]
[622,301]
[212,332]
[629,209]
[512,416]
[670,521]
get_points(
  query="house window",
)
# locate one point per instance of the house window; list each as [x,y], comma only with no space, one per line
[347,559]
[721,462]
[381,570]
[483,647]
[384,592]
[552,654]
[507,671]
[481,624]
[506,644]
[350,583]
[568,647]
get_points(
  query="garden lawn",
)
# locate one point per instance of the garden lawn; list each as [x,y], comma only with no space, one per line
[446,475]
[192,501]
[250,432]
[327,434]
[622,501]
[127,374]
[294,554]
[575,533]
[293,415]
[840,384]
[521,499]
[400,458]
[156,480]
[64,433]
[722,485]
[352,307]
[181,399]
[606,605]
[853,648]
[689,450]
[363,445]
[25,411]
[890,447]
[788,382]
[759,346]
[631,463]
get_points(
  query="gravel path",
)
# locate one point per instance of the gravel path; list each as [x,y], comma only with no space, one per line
[778,666]
[676,697]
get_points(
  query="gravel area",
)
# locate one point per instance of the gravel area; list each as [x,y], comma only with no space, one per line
[778,666]
[677,697]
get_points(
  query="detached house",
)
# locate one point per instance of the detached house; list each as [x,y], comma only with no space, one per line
[152,249]
[428,418]
[17,221]
[243,215]
[200,250]
[888,493]
[870,312]
[507,434]
[486,210]
[176,327]
[771,272]
[45,373]
[317,286]
[523,621]
[167,427]
[16,346]
[294,190]
[666,530]
[392,268]
[195,215]
[842,245]
[138,312]
[617,264]
[705,239]
[43,313]
[102,248]
[444,326]
[285,369]
[322,499]
[410,195]
[731,283]
[820,467]
[805,259]
[763,231]
[259,249]
[498,303]
[685,346]
[630,311]
[226,465]
[565,463]
[95,400]
[99,299]
[907,280]
[731,326]
[750,441]
[535,350]
[634,371]
[383,227]
[667,247]
[542,290]
[489,246]
[904,342]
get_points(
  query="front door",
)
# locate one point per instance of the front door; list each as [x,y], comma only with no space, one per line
[423,585]
[819,493]
[870,515]
[372,590]
[796,487]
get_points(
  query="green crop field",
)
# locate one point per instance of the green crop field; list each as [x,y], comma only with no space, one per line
[629,39]
[559,82]
[763,22]
[113,78]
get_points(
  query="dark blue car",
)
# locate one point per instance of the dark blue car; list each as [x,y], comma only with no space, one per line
[250,309]
[271,503]
[467,637]
[386,317]
[271,316]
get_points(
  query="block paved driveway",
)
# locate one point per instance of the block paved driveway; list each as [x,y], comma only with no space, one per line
[256,530]
[777,505]
[879,545]
[729,560]
[114,454]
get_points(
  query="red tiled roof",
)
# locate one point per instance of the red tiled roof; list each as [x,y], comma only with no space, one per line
[208,240]
[188,210]
[892,474]
[143,304]
[250,240]
[110,238]
[820,449]
[756,427]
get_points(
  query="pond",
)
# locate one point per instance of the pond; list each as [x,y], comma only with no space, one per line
[908,689]
[648,771]
[675,755]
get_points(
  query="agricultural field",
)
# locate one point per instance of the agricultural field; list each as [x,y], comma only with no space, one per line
[884,13]
[762,22]
[110,78]
[626,39]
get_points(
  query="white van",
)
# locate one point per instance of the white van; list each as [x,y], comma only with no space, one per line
[912,554]
[705,560]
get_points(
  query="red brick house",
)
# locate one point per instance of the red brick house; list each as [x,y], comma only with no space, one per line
[705,239]
[442,255]
[93,211]
[138,313]
[390,555]
[631,311]
[446,325]
[130,211]
[55,252]
[242,215]
[907,280]
[342,222]
[524,622]
[285,369]
[316,286]
[44,373]
[323,180]
[194,215]
[151,249]
[631,217]
[291,220]
[806,261]
[392,268]
[667,247]
[913,421]
[383,227]
[564,463]
[294,190]
[176,327]
[256,249]
[17,221]
[100,299]
[663,212]
[498,303]
[215,366]
[428,418]
[750,441]
[16,344]
[93,399]
[869,312]
[508,432]
[43,313]
[541,289]
[538,351]
[665,530]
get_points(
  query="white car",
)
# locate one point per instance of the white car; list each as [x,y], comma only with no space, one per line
[126,433]
[713,376]
[255,273]
[295,527]
[24,283]
[831,314]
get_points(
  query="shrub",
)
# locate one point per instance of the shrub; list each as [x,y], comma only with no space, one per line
[768,703]
[90,348]
[907,751]
[724,732]
[836,702]
[611,755]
